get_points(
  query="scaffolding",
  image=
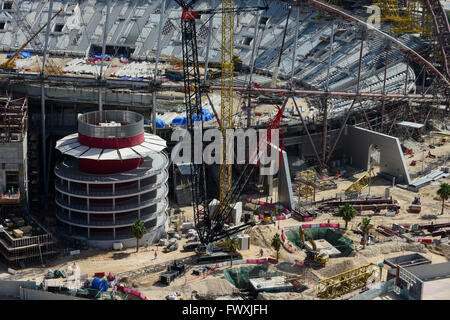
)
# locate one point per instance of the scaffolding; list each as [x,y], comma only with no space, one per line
[13,114]
[17,251]
[408,16]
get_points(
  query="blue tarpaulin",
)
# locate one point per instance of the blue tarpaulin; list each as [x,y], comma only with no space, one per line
[98,284]
[22,54]
[206,115]
[99,56]
[179,121]
[160,123]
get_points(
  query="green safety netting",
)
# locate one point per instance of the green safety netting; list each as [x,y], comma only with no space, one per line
[337,240]
[240,277]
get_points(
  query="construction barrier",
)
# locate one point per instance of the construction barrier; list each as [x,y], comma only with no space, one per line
[425,240]
[292,237]
[240,277]
[272,260]
[132,292]
[287,213]
[292,261]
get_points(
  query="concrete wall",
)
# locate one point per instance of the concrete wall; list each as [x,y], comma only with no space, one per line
[357,141]
[13,157]
[285,193]
[30,294]
[11,288]
[379,290]
[436,290]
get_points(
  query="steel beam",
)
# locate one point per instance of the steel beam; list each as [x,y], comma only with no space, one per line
[252,66]
[324,128]
[384,86]
[308,134]
[155,73]
[340,131]
[47,33]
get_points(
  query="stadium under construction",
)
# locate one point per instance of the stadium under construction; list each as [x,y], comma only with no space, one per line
[93,91]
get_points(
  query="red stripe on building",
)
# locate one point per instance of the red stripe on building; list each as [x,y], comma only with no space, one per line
[111,143]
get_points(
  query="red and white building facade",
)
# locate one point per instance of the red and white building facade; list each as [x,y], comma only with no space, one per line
[116,174]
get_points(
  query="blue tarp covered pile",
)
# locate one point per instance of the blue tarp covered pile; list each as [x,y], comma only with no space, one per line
[206,116]
[99,56]
[178,121]
[160,123]
[98,284]
[22,54]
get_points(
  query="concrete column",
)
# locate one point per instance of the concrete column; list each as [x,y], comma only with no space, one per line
[114,189]
[44,151]
[139,214]
[139,185]
[114,218]
[114,233]
[49,19]
[88,204]
[89,233]
[68,185]
[114,203]
[87,188]
[88,218]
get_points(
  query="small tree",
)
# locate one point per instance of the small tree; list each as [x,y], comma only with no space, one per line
[276,243]
[233,245]
[347,212]
[138,229]
[443,193]
[365,227]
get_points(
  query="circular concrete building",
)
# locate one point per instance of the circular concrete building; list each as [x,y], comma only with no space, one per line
[116,174]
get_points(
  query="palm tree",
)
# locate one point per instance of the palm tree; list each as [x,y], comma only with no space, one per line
[138,229]
[365,227]
[347,212]
[276,243]
[444,193]
[233,245]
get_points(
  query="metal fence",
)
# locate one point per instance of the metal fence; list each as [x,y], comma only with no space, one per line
[442,162]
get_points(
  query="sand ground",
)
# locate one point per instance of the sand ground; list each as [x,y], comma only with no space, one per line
[117,262]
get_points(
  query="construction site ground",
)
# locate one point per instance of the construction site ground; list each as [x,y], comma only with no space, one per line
[126,261]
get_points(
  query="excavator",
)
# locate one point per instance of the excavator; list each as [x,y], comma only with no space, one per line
[314,257]
[10,63]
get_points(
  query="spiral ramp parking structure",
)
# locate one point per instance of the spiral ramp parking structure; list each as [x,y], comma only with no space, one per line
[113,175]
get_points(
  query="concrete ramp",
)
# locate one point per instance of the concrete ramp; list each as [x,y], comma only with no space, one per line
[356,143]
